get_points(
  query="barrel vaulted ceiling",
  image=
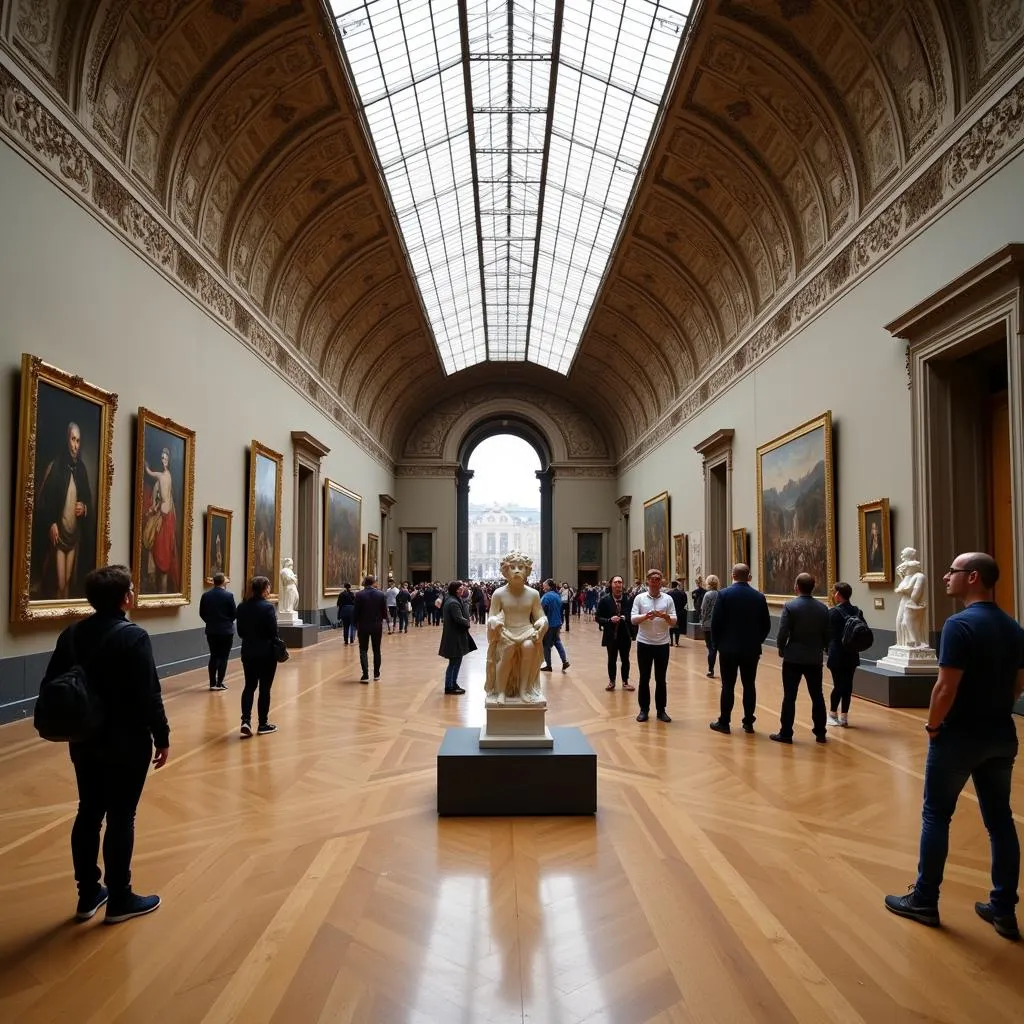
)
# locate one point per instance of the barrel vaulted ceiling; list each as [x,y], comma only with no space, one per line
[787,121]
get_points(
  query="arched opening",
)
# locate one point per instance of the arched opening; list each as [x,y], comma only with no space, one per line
[504,498]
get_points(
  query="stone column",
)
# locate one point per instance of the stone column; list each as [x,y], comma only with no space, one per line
[462,478]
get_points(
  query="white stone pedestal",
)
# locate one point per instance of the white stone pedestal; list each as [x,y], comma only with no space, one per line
[910,661]
[288,619]
[516,724]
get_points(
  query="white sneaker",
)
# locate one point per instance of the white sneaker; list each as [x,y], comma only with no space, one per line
[844,721]
[832,719]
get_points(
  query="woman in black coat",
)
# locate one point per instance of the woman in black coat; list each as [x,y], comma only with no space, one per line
[842,662]
[257,626]
[346,608]
[456,642]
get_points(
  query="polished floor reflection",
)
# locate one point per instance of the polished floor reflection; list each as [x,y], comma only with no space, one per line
[306,876]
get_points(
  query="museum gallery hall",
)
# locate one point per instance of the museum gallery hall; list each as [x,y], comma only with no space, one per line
[744,277]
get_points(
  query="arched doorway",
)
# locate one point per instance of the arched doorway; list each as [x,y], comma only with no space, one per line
[484,430]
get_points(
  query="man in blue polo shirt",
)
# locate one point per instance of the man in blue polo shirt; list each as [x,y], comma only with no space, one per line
[971,735]
[551,602]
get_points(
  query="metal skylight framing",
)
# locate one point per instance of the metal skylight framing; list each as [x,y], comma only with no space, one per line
[510,134]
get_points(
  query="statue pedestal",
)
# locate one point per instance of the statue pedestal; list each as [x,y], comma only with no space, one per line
[515,723]
[289,619]
[910,661]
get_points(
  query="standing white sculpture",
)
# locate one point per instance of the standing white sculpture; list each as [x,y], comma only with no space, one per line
[911,653]
[289,600]
[516,626]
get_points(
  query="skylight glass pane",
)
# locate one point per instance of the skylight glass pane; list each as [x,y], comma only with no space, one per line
[463,166]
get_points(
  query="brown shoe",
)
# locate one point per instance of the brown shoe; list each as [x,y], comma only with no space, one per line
[610,686]
[628,686]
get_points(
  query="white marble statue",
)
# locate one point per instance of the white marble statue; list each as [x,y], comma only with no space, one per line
[515,630]
[289,600]
[911,617]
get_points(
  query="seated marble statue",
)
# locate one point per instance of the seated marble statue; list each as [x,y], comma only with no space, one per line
[911,624]
[515,629]
[289,600]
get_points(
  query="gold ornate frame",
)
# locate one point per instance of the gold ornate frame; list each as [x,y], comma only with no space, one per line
[213,512]
[880,505]
[257,450]
[373,556]
[33,372]
[638,566]
[741,554]
[651,505]
[147,418]
[330,485]
[824,588]
[680,543]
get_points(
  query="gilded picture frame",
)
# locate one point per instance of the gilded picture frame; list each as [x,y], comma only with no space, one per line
[796,510]
[638,566]
[263,523]
[162,489]
[65,433]
[373,555]
[656,533]
[740,547]
[342,529]
[682,568]
[874,535]
[217,550]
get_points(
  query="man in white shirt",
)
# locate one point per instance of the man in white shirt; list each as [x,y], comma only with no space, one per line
[391,596]
[654,615]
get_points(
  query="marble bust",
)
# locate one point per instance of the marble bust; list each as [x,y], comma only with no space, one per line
[911,616]
[515,629]
[289,600]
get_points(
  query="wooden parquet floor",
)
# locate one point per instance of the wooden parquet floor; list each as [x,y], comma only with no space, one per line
[306,877]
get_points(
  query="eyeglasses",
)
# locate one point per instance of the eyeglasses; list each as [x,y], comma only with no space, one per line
[952,572]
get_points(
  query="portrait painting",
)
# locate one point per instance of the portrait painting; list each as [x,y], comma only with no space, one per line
[65,470]
[162,511]
[874,528]
[638,565]
[740,547]
[696,552]
[373,555]
[795,513]
[656,533]
[682,567]
[263,527]
[342,522]
[217,556]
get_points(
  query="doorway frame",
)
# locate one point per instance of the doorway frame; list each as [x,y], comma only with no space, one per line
[307,454]
[716,453]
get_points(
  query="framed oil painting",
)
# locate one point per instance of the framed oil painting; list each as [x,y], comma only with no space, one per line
[373,555]
[682,572]
[795,510]
[342,520]
[263,524]
[656,536]
[162,511]
[874,528]
[217,556]
[64,475]
[740,547]
[638,566]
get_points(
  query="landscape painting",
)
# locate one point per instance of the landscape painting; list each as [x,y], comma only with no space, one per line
[795,510]
[656,535]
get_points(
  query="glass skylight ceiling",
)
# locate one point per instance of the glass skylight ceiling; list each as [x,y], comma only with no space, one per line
[509,197]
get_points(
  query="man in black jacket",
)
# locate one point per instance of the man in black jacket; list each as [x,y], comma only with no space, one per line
[217,610]
[111,767]
[371,612]
[613,612]
[678,596]
[803,637]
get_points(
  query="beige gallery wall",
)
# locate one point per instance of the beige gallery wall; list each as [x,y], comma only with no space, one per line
[75,296]
[844,361]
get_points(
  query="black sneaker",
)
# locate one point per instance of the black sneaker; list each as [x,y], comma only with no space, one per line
[456,690]
[910,906]
[780,738]
[88,905]
[663,716]
[719,726]
[748,727]
[364,679]
[642,717]
[246,730]
[131,906]
[266,728]
[1004,924]
[545,668]
[376,677]
[565,665]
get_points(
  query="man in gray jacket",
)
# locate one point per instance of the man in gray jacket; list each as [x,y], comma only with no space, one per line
[802,640]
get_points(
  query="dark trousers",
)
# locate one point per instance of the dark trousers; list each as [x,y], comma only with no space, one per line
[365,639]
[403,620]
[565,617]
[747,667]
[110,791]
[392,617]
[987,758]
[842,688]
[648,656]
[712,651]
[620,651]
[451,673]
[792,673]
[348,626]
[259,673]
[220,651]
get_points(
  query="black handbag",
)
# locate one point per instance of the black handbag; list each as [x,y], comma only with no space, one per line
[279,649]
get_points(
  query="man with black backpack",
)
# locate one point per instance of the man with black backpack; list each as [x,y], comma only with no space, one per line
[101,693]
[849,634]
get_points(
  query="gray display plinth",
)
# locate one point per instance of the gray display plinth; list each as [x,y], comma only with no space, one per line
[893,689]
[302,635]
[476,781]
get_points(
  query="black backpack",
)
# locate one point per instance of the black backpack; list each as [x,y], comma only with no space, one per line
[68,709]
[857,635]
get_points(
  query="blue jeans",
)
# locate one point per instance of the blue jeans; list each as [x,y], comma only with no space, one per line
[553,638]
[953,758]
[348,625]
[451,673]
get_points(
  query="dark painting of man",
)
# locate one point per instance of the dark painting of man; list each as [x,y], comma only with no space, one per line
[875,557]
